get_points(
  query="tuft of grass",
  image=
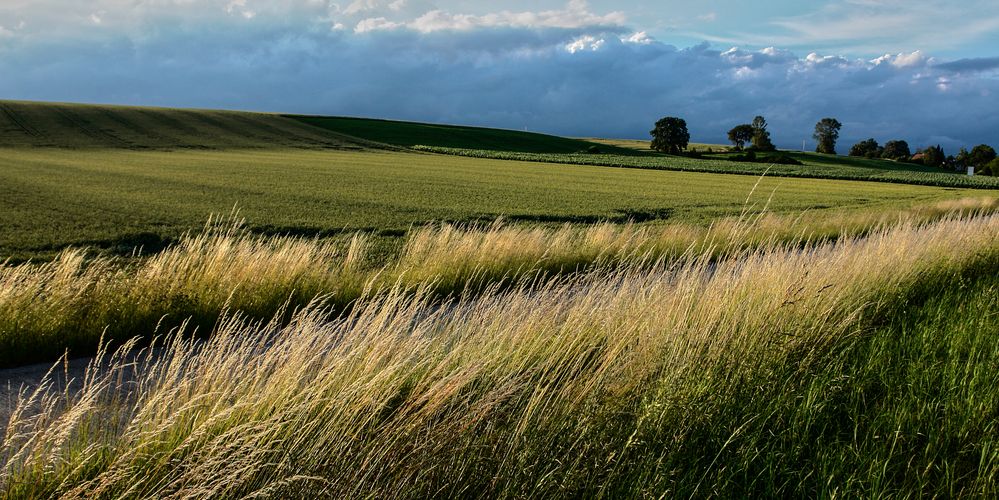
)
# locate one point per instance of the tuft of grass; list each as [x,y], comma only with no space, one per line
[70,303]
[638,381]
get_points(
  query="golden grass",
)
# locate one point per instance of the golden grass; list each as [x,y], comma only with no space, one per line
[553,389]
[70,302]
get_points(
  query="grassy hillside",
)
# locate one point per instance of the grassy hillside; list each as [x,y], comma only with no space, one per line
[409,134]
[119,199]
[643,145]
[32,124]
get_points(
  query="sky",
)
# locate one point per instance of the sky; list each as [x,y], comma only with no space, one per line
[924,71]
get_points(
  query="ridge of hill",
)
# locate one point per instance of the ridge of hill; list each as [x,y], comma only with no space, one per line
[99,126]
[410,134]
[64,125]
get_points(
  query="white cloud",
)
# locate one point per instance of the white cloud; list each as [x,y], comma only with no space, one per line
[359,6]
[585,42]
[576,14]
[375,24]
[640,38]
[909,60]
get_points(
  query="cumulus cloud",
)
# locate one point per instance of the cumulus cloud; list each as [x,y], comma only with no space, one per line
[567,71]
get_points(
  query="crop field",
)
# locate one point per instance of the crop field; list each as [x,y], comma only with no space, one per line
[814,165]
[119,199]
[373,321]
[407,134]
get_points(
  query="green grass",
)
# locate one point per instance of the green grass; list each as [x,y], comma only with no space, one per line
[118,199]
[643,145]
[408,134]
[815,166]
[908,409]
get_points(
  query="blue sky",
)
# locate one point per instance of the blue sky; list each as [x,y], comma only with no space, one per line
[926,71]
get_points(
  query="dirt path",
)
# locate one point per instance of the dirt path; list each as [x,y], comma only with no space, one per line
[24,379]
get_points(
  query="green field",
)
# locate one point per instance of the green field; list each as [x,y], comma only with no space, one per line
[409,134]
[82,126]
[814,165]
[118,199]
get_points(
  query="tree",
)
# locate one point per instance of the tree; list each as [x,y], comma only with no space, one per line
[896,150]
[934,156]
[962,160]
[670,135]
[740,135]
[991,168]
[981,155]
[868,149]
[826,134]
[761,137]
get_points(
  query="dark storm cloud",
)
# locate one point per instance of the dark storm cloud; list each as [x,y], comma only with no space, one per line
[973,65]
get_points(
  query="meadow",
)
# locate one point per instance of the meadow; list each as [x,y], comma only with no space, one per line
[814,166]
[119,199]
[376,321]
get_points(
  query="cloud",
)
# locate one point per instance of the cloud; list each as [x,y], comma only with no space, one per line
[973,65]
[867,25]
[710,17]
[576,14]
[568,71]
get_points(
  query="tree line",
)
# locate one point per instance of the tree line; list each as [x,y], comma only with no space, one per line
[670,136]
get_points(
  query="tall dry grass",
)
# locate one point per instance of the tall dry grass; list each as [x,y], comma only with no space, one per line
[595,384]
[71,302]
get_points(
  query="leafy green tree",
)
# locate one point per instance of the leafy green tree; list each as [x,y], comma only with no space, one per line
[868,149]
[826,134]
[981,155]
[934,156]
[896,150]
[991,168]
[761,136]
[670,135]
[740,135]
[962,160]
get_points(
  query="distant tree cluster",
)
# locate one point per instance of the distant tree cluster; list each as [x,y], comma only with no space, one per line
[982,157]
[755,133]
[670,135]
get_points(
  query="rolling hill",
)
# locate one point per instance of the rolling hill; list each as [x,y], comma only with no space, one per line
[409,134]
[63,125]
[31,124]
